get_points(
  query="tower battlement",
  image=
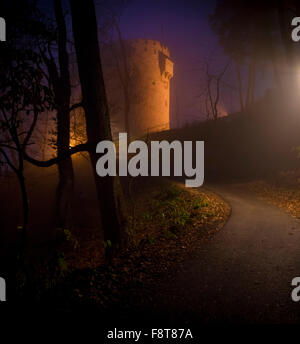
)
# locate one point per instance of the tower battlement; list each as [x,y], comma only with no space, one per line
[149,46]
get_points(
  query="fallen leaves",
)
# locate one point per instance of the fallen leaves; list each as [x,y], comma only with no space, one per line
[283,190]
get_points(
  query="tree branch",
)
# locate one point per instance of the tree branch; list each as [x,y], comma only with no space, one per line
[84,147]
[30,131]
[2,151]
[76,106]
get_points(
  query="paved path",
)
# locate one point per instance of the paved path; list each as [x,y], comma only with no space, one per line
[244,273]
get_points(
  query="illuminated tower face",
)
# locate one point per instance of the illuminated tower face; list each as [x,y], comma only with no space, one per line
[149,72]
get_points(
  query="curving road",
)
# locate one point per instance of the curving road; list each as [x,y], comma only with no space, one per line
[244,273]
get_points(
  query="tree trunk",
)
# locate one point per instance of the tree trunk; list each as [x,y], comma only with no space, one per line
[25,208]
[62,94]
[108,188]
[127,113]
[276,73]
[251,81]
[240,86]
[64,190]
[126,81]
[124,76]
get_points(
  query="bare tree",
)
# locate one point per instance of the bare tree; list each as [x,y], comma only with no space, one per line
[62,91]
[24,96]
[53,48]
[59,80]
[212,92]
[251,82]
[240,84]
[113,40]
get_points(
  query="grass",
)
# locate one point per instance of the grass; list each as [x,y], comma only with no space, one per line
[166,210]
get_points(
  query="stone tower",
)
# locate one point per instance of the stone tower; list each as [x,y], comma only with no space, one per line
[150,70]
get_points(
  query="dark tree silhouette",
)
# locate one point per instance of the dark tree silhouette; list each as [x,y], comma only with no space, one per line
[45,38]
[212,92]
[60,81]
[111,13]
[95,105]
[249,34]
[23,97]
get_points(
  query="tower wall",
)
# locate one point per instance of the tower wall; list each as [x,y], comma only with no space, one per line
[150,70]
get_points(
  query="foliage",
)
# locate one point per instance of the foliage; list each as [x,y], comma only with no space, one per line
[24,95]
[65,236]
[170,208]
[24,91]
[246,28]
